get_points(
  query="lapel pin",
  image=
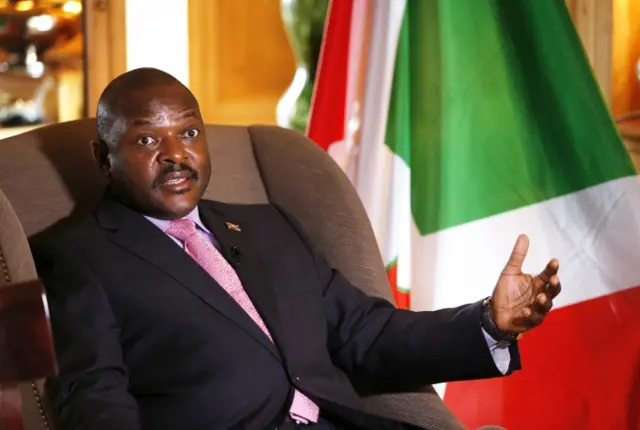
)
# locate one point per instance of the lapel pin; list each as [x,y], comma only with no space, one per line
[232,226]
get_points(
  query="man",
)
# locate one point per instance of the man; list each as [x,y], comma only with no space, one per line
[171,312]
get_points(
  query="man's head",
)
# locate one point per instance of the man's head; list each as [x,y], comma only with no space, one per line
[151,143]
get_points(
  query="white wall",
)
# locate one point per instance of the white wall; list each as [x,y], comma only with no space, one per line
[158,36]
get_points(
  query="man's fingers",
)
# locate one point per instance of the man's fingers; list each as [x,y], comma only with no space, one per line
[553,288]
[543,304]
[549,271]
[518,254]
[529,318]
[533,315]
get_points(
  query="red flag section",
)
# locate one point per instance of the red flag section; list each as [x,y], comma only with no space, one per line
[580,369]
[328,110]
[401,297]
[332,93]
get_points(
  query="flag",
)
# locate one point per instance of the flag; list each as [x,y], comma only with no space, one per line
[329,100]
[335,104]
[494,126]
[351,96]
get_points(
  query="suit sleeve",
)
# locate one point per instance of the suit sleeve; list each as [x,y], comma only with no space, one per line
[389,349]
[90,391]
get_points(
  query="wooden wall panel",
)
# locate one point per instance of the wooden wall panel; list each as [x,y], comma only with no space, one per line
[610,32]
[626,53]
[240,59]
[594,21]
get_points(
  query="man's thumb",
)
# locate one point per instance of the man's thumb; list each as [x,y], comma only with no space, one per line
[519,253]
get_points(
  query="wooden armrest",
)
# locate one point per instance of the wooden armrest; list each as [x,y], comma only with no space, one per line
[26,346]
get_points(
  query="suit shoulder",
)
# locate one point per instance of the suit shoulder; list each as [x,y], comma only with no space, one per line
[225,208]
[240,212]
[69,240]
[262,214]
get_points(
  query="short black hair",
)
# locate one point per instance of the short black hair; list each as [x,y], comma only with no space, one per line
[131,80]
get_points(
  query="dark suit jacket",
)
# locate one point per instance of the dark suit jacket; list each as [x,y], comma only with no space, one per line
[145,338]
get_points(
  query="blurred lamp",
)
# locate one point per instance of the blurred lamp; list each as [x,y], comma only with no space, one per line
[73,7]
[41,23]
[24,5]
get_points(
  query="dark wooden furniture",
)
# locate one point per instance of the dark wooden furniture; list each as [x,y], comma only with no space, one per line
[26,346]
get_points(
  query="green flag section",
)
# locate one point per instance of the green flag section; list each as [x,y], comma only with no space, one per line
[494,108]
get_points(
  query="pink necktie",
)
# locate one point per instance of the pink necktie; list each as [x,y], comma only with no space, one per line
[206,255]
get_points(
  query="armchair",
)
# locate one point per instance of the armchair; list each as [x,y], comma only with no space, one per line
[49,178]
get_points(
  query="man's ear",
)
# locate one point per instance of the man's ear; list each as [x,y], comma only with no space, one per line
[100,152]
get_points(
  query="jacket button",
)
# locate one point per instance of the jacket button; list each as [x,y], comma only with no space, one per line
[297,379]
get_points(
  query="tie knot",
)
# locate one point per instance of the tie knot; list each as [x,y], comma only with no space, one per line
[181,229]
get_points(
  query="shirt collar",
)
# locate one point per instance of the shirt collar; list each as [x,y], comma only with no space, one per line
[194,216]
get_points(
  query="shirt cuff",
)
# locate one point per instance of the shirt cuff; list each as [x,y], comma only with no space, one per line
[499,352]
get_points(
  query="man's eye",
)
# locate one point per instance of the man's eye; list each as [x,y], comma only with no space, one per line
[192,133]
[146,141]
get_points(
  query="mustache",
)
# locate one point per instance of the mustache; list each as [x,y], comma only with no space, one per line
[172,168]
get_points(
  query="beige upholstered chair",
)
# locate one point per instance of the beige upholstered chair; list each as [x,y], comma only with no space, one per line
[48,176]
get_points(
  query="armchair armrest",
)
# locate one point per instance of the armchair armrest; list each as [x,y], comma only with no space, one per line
[424,409]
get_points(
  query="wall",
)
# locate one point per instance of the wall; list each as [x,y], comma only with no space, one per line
[241,60]
[234,55]
[610,33]
[105,47]
[593,21]
[158,36]
[626,54]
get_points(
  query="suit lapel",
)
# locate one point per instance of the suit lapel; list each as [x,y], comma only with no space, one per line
[234,238]
[133,232]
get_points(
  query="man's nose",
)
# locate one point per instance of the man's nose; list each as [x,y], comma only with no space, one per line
[172,151]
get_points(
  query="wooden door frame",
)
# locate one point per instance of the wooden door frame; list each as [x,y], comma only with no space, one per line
[105,46]
[203,62]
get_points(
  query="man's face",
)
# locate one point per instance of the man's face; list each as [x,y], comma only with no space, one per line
[157,156]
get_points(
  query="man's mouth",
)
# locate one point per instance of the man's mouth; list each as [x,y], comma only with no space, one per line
[177,179]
